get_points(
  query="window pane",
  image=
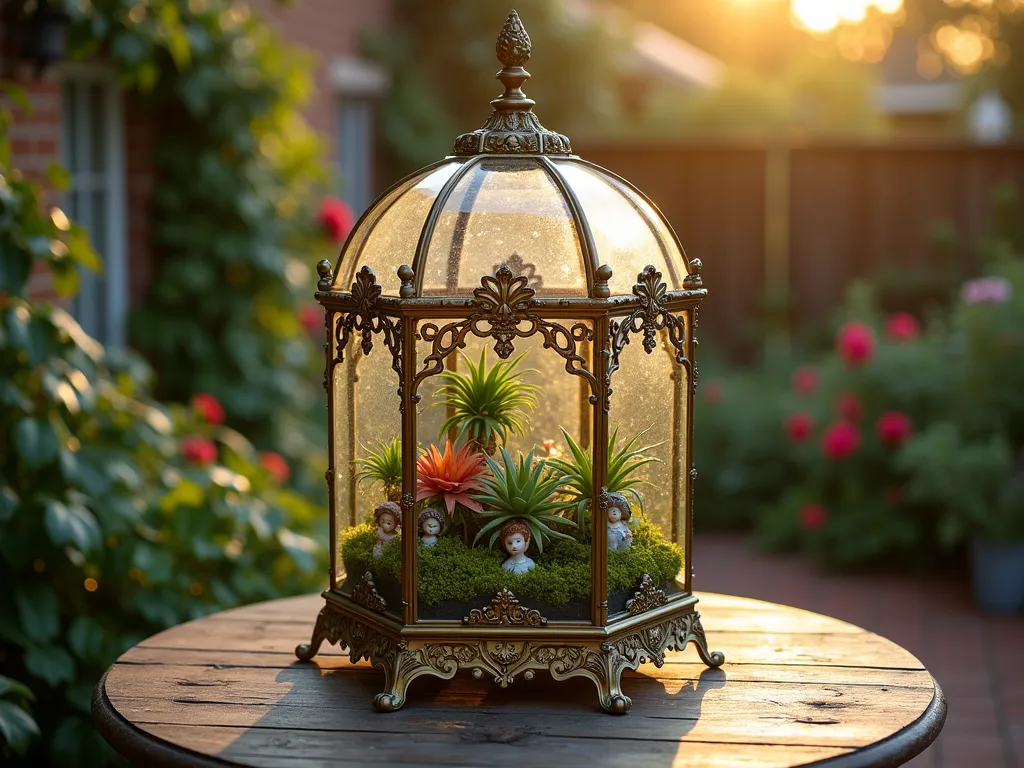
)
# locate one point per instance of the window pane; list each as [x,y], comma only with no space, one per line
[355,152]
[97,129]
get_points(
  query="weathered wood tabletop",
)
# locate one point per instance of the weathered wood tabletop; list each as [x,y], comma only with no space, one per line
[797,688]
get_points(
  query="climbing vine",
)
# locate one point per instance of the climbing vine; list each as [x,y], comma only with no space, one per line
[237,174]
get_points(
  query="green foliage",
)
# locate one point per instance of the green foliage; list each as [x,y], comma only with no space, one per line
[452,571]
[576,486]
[17,727]
[960,483]
[441,84]
[383,465]
[523,490]
[236,171]
[487,403]
[108,533]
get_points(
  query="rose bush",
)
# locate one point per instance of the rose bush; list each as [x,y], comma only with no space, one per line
[119,516]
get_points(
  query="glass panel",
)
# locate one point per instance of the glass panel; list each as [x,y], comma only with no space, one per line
[505,212]
[646,520]
[367,424]
[69,127]
[466,566]
[625,238]
[387,238]
[97,129]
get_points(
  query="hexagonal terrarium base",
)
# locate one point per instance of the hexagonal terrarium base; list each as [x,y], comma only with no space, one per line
[505,653]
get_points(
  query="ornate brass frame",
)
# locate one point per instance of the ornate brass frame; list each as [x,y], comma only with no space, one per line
[505,639]
[503,655]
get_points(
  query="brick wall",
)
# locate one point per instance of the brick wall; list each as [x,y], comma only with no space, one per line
[330,29]
[34,137]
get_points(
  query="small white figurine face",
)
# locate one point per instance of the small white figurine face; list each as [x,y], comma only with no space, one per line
[515,544]
[431,527]
[614,515]
[388,523]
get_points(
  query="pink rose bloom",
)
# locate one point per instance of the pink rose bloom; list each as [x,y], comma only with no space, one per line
[986,290]
[855,342]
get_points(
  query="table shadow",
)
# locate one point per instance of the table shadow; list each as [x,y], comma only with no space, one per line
[327,718]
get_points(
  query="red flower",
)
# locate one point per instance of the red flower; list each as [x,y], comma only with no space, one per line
[855,343]
[336,218]
[208,407]
[310,317]
[198,450]
[893,427]
[799,426]
[902,326]
[713,393]
[813,516]
[849,407]
[276,464]
[840,441]
[805,380]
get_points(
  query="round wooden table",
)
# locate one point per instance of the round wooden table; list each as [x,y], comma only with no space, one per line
[797,688]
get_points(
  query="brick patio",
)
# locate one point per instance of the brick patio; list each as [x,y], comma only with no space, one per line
[978,660]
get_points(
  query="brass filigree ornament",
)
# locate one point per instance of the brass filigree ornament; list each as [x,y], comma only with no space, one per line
[505,610]
[365,593]
[603,662]
[512,128]
[646,598]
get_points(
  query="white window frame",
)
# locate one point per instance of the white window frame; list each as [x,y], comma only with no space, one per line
[103,295]
[356,82]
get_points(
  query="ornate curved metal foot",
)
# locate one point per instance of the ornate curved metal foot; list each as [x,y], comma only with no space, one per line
[328,627]
[713,659]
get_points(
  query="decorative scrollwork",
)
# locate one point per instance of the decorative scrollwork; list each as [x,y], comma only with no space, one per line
[648,318]
[365,319]
[505,609]
[646,598]
[503,309]
[365,593]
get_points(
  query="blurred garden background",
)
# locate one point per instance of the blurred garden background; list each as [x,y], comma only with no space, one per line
[849,171]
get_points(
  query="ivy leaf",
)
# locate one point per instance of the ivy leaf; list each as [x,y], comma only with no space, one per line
[12,689]
[8,503]
[85,637]
[38,611]
[58,177]
[50,664]
[36,442]
[72,524]
[15,267]
[17,727]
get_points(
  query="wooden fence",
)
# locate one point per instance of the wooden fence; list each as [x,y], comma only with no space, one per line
[799,223]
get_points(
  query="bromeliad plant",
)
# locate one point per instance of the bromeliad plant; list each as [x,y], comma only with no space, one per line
[383,465]
[524,490]
[451,477]
[487,403]
[576,484]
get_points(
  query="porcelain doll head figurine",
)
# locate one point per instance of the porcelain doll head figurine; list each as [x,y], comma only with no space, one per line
[431,522]
[388,516]
[515,537]
[618,514]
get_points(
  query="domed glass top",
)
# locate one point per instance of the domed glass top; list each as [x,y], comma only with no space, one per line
[554,219]
[512,194]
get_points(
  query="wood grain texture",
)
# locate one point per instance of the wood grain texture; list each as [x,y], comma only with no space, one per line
[797,689]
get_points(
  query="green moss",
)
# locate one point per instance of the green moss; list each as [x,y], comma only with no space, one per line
[452,571]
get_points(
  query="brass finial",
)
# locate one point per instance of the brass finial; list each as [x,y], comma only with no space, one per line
[512,128]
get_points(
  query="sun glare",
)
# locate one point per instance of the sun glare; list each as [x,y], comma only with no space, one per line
[822,16]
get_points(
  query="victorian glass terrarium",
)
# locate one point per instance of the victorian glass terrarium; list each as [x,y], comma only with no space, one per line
[495,507]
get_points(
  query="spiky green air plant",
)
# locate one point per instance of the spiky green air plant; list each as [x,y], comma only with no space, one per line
[487,404]
[523,490]
[383,465]
[576,483]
